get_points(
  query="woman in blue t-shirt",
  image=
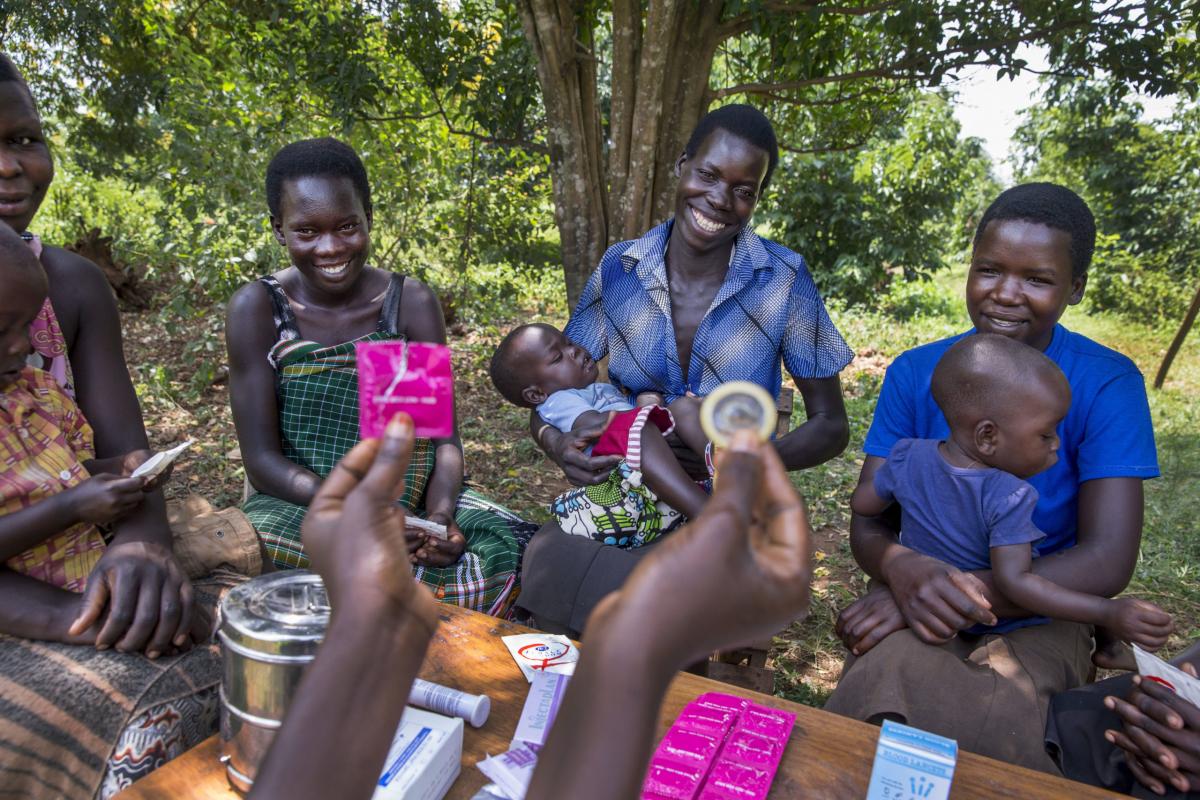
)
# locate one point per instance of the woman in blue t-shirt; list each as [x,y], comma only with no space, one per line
[909,659]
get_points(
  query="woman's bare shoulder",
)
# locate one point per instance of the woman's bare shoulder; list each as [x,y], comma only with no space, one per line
[249,320]
[71,272]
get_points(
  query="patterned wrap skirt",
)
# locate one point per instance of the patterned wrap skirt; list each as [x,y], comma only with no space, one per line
[317,393]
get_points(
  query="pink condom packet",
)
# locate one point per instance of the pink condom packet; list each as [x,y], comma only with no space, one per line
[413,377]
[720,747]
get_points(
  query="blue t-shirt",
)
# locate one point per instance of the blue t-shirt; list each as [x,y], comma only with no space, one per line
[1106,434]
[563,407]
[954,514]
[957,515]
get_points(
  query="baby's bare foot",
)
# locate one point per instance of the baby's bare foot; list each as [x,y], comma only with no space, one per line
[1114,654]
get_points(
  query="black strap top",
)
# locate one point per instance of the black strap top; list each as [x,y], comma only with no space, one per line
[285,319]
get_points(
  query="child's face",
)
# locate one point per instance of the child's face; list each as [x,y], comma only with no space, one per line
[1020,282]
[19,304]
[553,362]
[1026,440]
[326,231]
[25,165]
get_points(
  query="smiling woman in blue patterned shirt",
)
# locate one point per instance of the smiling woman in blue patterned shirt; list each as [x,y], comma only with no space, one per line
[697,301]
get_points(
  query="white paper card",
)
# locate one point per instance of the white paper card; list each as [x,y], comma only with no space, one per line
[161,460]
[425,526]
[546,652]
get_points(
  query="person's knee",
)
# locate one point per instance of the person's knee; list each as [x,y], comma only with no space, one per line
[539,542]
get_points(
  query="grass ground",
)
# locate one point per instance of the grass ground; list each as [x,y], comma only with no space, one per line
[502,460]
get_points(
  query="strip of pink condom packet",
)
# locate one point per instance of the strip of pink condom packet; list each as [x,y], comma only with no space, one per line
[413,377]
[720,747]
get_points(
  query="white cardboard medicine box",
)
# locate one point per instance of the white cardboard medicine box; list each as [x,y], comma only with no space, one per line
[424,759]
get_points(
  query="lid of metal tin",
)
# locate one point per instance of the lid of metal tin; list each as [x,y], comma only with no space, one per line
[281,613]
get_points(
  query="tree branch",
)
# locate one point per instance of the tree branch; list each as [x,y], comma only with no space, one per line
[740,23]
[832,148]
[523,144]
[906,69]
[773,88]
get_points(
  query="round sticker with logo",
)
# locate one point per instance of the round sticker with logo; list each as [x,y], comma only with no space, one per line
[541,655]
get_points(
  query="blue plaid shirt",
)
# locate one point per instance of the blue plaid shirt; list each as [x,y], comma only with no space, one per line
[767,309]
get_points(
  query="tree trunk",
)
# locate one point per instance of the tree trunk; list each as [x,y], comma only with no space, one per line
[677,50]
[687,79]
[568,80]
[661,60]
[1188,319]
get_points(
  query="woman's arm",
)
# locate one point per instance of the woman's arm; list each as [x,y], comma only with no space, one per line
[140,562]
[249,336]
[380,628]
[21,530]
[752,538]
[32,609]
[825,432]
[98,500]
[1107,539]
[421,313]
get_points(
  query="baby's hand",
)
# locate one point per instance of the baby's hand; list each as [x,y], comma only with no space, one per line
[105,497]
[1141,623]
[648,399]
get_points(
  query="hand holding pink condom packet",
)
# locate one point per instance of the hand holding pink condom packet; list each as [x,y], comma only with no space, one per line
[413,377]
[720,747]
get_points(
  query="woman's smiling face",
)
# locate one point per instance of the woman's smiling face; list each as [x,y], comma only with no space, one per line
[1020,281]
[325,229]
[718,189]
[26,168]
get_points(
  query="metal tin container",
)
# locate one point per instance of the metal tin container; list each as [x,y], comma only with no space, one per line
[270,629]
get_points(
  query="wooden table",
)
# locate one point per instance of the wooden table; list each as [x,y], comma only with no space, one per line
[827,757]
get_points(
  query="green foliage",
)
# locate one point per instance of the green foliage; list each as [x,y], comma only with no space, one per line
[1142,182]
[172,111]
[891,210]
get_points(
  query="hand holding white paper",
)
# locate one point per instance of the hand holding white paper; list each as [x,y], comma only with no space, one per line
[156,464]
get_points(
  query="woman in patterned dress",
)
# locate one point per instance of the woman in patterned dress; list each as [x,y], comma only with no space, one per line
[85,717]
[293,381]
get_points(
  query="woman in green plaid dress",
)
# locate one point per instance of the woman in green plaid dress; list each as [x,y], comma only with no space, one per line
[294,383]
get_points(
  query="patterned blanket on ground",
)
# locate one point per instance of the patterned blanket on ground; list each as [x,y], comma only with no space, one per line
[76,722]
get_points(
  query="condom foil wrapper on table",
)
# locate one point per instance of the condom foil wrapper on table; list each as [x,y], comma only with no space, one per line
[720,747]
[413,377]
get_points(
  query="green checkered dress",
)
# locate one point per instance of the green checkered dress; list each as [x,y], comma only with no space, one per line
[317,392]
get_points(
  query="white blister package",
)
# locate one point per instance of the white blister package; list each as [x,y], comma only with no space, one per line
[434,529]
[1154,668]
